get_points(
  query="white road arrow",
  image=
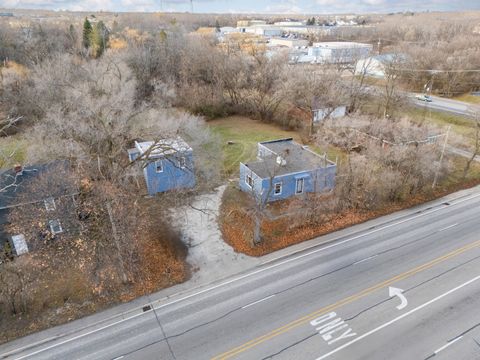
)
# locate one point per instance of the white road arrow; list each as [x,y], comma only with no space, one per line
[392,291]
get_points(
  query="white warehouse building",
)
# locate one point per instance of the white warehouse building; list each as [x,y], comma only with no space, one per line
[338,52]
[267,31]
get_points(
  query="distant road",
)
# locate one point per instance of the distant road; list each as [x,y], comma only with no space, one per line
[446,105]
[328,301]
[462,153]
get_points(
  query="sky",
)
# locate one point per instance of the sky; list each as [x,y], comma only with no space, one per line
[249,6]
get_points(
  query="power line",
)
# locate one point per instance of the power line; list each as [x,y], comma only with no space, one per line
[435,71]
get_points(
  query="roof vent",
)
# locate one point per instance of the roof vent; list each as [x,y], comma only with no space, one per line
[281,161]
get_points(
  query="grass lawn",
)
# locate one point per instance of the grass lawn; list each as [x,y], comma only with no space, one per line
[459,124]
[245,133]
[456,173]
[12,151]
[469,98]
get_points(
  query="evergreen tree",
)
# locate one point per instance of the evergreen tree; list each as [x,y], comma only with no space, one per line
[87,33]
[99,39]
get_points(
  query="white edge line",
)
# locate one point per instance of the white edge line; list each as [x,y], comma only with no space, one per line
[447,345]
[258,301]
[398,318]
[233,280]
[368,258]
[448,227]
[372,231]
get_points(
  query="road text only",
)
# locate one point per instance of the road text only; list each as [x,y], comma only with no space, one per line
[332,328]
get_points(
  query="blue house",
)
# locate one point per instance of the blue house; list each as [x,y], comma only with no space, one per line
[167,164]
[286,169]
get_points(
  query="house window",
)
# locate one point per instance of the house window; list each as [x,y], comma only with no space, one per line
[249,181]
[182,162]
[159,166]
[277,190]
[55,226]
[49,204]
[299,186]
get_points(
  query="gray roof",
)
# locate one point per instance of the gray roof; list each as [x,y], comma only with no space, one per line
[163,147]
[9,196]
[296,158]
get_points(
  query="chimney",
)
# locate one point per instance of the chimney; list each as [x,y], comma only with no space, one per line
[18,169]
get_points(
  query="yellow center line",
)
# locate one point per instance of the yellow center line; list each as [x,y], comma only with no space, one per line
[305,319]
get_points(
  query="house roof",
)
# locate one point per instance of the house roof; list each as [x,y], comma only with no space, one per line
[288,157]
[163,147]
[14,184]
[3,223]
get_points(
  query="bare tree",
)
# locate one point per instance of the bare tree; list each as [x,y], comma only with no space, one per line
[391,97]
[476,147]
[318,90]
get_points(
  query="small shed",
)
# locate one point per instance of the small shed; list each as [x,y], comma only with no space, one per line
[168,164]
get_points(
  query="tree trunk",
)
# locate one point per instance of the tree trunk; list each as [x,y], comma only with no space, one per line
[257,232]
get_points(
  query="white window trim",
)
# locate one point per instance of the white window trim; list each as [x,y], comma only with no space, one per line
[50,201]
[247,182]
[156,166]
[296,186]
[182,162]
[52,227]
[275,189]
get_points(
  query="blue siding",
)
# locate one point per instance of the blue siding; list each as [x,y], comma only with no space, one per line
[319,180]
[258,182]
[173,176]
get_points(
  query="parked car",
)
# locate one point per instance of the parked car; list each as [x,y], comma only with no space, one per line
[423,97]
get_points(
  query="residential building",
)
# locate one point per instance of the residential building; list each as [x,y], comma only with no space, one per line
[37,205]
[167,164]
[286,169]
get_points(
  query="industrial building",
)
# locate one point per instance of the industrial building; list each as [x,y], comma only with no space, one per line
[338,52]
[288,42]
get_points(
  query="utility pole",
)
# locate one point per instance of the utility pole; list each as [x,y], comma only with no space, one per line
[435,179]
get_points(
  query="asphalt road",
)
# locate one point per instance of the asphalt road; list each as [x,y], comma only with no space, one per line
[447,105]
[327,302]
